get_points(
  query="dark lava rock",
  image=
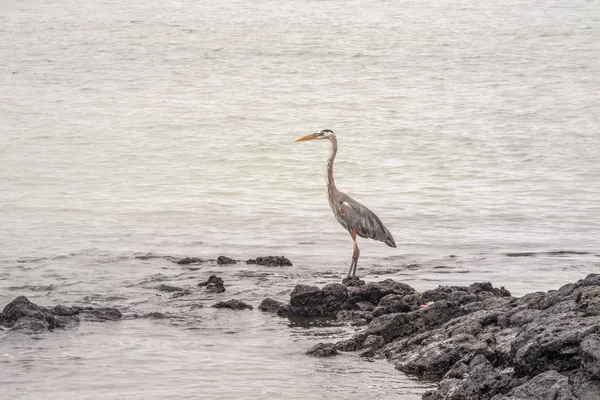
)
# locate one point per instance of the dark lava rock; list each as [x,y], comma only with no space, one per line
[590,354]
[190,260]
[375,291]
[169,288]
[21,314]
[65,311]
[482,343]
[393,303]
[100,314]
[353,281]
[271,261]
[233,304]
[545,386]
[270,305]
[24,315]
[214,284]
[154,315]
[310,301]
[222,260]
[323,350]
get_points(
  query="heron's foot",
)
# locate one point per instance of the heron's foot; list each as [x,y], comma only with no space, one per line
[353,281]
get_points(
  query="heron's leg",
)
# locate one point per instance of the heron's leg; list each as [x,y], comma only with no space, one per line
[353,234]
[352,271]
[356,255]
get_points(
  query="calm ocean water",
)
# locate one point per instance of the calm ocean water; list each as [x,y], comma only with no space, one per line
[471,128]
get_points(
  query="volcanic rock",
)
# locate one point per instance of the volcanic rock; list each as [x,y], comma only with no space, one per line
[480,341]
[214,284]
[271,261]
[222,260]
[270,305]
[190,260]
[22,314]
[233,305]
[323,350]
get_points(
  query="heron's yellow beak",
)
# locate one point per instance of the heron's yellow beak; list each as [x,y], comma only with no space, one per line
[307,137]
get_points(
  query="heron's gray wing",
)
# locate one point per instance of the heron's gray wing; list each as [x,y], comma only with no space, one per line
[364,221]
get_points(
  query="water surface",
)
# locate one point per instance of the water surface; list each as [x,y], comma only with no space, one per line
[168,127]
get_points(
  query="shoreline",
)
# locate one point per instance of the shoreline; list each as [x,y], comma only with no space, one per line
[476,341]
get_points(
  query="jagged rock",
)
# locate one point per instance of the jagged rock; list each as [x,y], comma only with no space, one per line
[393,303]
[168,288]
[323,350]
[545,386]
[271,261]
[213,284]
[479,340]
[21,314]
[373,292]
[354,317]
[222,260]
[65,311]
[181,293]
[190,260]
[397,325]
[24,315]
[100,314]
[154,315]
[310,301]
[589,351]
[233,305]
[270,305]
[353,281]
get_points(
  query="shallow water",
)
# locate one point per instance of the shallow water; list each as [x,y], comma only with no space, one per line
[168,127]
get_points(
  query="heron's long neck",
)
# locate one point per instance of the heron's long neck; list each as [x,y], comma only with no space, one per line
[330,181]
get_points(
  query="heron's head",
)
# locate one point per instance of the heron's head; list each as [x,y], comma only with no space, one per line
[322,134]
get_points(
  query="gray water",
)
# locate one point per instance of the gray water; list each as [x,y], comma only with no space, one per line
[166,128]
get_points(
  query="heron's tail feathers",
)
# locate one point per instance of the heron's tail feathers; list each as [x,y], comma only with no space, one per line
[389,240]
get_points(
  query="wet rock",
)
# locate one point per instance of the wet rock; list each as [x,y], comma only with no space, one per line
[373,292]
[270,305]
[482,382]
[393,303]
[310,301]
[190,260]
[545,386]
[22,314]
[354,281]
[483,287]
[100,314]
[213,284]
[354,317]
[479,340]
[65,311]
[271,261]
[373,342]
[233,305]
[168,288]
[222,260]
[323,350]
[154,315]
[398,325]
[181,293]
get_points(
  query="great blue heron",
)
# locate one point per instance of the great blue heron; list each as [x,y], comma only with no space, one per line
[356,218]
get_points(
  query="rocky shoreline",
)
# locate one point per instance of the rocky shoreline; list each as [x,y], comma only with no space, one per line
[477,341]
